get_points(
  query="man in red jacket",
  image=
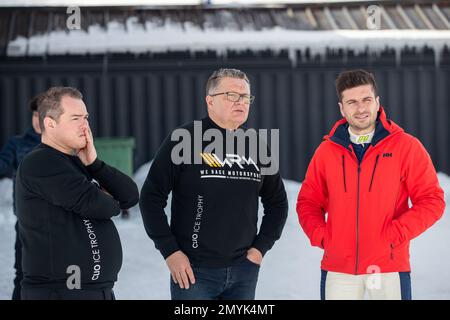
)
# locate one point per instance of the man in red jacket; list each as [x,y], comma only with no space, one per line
[361,177]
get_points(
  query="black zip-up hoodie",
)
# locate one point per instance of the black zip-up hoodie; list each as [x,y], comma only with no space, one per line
[65,219]
[214,209]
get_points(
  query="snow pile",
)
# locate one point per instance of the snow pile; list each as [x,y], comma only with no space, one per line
[7,217]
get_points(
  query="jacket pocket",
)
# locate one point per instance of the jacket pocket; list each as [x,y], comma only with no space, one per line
[326,239]
[250,262]
[388,243]
[373,173]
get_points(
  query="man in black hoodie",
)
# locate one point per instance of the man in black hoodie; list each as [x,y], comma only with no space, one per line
[212,247]
[65,199]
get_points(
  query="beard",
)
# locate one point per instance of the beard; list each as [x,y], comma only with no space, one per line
[362,126]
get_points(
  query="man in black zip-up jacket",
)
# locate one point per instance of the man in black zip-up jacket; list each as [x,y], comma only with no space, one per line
[212,247]
[65,198]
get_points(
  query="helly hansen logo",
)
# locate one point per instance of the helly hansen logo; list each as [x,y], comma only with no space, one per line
[387,155]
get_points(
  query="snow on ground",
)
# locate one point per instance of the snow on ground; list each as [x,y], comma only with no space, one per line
[291,270]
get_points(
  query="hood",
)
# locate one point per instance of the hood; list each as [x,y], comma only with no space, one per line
[384,128]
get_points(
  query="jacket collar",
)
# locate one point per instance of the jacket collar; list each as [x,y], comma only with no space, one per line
[384,128]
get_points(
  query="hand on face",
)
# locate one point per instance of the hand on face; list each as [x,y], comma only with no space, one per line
[88,154]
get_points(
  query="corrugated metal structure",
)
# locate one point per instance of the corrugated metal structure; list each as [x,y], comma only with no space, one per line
[146,98]
[148,95]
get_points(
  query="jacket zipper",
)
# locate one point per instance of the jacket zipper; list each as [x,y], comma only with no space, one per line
[343,172]
[357,221]
[357,205]
[373,173]
[392,251]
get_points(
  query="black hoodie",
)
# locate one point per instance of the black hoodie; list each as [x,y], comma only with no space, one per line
[65,218]
[214,207]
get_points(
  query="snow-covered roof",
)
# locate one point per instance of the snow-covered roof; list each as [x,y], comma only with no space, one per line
[43,31]
[64,3]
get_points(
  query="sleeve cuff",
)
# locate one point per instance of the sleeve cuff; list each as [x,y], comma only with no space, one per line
[261,246]
[168,249]
[317,237]
[95,166]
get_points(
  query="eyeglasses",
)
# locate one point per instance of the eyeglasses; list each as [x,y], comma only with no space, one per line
[235,97]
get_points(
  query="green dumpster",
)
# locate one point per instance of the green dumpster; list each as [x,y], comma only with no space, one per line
[117,152]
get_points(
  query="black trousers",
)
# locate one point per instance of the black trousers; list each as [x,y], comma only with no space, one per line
[17,265]
[66,294]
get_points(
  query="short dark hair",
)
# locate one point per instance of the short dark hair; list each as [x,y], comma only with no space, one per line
[34,102]
[49,103]
[218,75]
[354,78]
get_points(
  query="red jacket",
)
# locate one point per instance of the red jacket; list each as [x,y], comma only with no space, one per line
[369,222]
